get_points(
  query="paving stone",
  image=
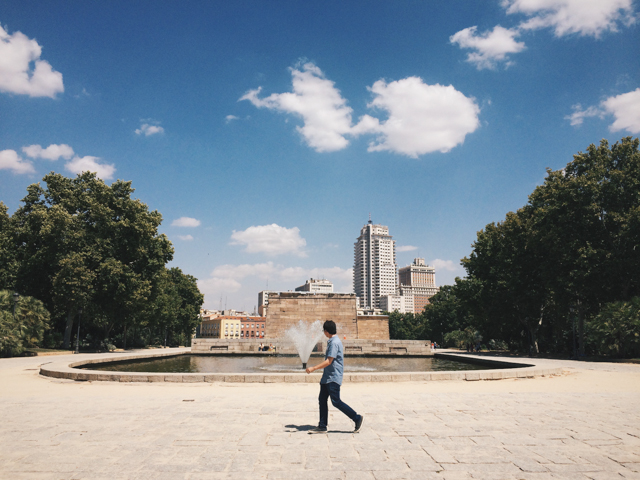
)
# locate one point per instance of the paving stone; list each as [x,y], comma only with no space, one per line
[439,454]
[60,429]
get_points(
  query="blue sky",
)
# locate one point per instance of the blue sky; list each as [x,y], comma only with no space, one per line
[266,132]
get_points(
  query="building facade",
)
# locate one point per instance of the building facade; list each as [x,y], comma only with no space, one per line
[374,269]
[400,303]
[418,281]
[315,285]
[252,327]
[263,301]
[220,326]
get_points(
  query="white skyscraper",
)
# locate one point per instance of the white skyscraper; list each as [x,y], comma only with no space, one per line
[374,271]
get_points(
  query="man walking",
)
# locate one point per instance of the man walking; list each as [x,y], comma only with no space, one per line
[333,366]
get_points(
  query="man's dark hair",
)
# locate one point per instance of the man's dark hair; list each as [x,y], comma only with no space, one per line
[330,327]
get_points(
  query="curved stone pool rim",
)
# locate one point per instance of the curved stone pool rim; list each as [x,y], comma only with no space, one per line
[512,368]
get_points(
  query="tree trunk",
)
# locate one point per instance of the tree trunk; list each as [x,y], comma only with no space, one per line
[124,341]
[580,330]
[108,329]
[67,330]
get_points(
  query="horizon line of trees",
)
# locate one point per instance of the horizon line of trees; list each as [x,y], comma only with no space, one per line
[559,275]
[80,244]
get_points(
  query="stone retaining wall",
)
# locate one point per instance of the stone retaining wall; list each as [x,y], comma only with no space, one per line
[66,370]
[222,346]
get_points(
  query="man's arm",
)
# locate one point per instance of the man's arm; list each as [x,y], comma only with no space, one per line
[322,365]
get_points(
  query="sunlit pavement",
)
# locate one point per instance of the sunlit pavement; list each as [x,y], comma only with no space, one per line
[582,425]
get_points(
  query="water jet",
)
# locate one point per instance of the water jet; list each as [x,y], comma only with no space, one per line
[304,337]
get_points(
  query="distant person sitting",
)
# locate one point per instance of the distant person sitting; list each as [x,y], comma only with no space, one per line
[261,347]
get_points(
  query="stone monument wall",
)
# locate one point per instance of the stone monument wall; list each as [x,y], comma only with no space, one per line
[373,328]
[288,308]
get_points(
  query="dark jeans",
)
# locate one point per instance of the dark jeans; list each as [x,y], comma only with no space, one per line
[332,390]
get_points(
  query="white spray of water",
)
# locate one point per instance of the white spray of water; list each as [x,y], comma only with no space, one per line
[305,336]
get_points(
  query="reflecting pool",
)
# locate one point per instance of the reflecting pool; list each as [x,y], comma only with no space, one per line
[281,364]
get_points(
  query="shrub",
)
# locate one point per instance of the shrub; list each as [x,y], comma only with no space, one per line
[498,345]
[10,336]
[462,338]
[26,328]
[615,330]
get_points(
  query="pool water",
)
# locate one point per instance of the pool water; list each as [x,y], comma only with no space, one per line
[280,364]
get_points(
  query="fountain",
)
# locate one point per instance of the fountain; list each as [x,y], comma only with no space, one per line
[305,336]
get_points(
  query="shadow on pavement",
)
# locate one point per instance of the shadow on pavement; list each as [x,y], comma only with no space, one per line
[300,428]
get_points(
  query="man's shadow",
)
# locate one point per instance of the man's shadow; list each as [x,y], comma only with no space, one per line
[307,428]
[299,428]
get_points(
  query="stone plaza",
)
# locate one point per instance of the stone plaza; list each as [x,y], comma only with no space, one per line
[582,424]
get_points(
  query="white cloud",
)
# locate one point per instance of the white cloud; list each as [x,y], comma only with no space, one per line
[52,152]
[578,115]
[185,222]
[449,265]
[270,239]
[565,17]
[230,118]
[583,17]
[626,110]
[147,130]
[325,114]
[215,286]
[422,118]
[10,160]
[406,248]
[238,272]
[226,278]
[88,163]
[186,238]
[17,52]
[490,47]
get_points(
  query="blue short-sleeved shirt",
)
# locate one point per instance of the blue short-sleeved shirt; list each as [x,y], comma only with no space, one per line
[333,373]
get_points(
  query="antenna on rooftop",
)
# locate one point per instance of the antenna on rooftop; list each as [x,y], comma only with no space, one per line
[369,217]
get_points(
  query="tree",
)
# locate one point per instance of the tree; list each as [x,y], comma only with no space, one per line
[586,220]
[191,301]
[406,326]
[82,243]
[507,264]
[174,307]
[616,329]
[8,264]
[447,311]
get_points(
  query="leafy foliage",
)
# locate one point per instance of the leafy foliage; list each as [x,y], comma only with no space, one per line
[557,260]
[406,326]
[8,263]
[616,329]
[77,243]
[462,338]
[26,329]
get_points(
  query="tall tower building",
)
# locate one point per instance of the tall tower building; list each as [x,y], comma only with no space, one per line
[374,270]
[419,281]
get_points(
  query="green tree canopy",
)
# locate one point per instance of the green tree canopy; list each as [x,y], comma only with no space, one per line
[82,243]
[571,249]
